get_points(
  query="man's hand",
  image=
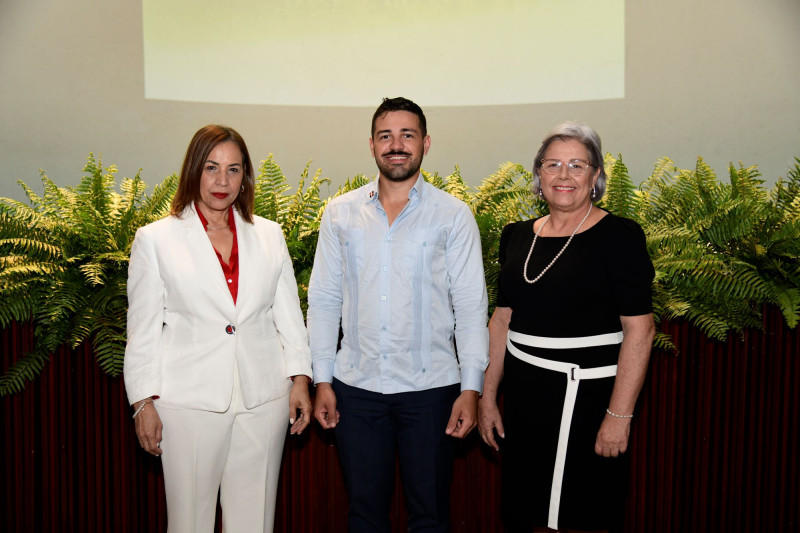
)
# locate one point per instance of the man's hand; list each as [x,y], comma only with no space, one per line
[325,406]
[464,416]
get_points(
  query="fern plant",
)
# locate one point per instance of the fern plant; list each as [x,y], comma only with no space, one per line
[64,262]
[721,251]
[504,197]
[621,195]
[298,213]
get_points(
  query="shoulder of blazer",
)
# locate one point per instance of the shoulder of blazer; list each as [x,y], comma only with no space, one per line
[162,226]
[169,227]
[262,224]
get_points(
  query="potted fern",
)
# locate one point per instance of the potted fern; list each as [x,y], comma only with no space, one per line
[722,251]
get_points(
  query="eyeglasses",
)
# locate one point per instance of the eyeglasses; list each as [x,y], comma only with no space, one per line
[575,167]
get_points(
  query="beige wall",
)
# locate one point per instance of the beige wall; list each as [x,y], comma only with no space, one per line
[714,78]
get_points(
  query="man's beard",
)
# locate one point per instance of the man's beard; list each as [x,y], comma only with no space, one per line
[398,173]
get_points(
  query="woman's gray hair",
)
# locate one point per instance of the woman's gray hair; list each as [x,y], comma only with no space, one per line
[589,138]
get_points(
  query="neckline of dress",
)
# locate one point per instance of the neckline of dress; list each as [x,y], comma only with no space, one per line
[533,222]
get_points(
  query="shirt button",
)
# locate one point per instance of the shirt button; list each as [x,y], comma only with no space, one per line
[383,298]
[383,328]
[386,238]
[385,268]
[385,356]
[230,329]
[423,370]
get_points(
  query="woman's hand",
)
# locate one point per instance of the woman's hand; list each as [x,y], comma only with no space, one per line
[299,400]
[489,419]
[148,427]
[634,354]
[612,439]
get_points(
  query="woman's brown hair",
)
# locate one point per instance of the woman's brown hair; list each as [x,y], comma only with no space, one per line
[201,145]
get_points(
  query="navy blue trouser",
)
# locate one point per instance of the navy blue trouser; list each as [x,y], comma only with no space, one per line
[373,426]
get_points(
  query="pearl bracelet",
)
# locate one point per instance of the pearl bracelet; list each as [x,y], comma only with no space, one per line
[141,406]
[615,415]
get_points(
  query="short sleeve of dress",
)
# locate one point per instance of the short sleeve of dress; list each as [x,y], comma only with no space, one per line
[505,236]
[631,270]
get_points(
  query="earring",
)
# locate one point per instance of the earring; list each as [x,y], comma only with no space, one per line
[242,189]
[594,193]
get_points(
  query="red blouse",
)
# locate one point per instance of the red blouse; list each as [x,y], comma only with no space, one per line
[230,269]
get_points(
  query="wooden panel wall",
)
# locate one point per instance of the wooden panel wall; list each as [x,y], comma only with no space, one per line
[714,448]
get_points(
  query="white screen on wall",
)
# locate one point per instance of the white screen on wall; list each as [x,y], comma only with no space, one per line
[352,52]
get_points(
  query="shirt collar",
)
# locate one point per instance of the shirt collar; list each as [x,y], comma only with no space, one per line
[372,189]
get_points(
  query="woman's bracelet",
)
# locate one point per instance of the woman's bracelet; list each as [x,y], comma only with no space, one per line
[141,406]
[615,415]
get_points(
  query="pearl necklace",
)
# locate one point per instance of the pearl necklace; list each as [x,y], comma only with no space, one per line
[217,227]
[536,236]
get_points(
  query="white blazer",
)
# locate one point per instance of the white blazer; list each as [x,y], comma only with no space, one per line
[180,346]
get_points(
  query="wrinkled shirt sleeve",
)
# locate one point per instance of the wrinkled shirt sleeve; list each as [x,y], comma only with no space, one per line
[325,301]
[470,303]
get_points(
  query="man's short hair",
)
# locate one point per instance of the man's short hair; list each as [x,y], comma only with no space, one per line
[399,104]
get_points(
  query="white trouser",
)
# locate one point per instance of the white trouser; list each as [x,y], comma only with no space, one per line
[236,453]
[574,374]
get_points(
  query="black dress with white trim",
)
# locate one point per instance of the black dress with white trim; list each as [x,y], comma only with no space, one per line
[560,363]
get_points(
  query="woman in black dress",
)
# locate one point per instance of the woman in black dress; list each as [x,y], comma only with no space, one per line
[572,334]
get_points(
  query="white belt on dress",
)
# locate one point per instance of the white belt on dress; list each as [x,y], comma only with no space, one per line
[574,374]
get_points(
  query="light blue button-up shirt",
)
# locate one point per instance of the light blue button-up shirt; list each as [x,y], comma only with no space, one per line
[404,294]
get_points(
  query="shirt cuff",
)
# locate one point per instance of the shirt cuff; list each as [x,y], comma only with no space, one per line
[323,371]
[472,379]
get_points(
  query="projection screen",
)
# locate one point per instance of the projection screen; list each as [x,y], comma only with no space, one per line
[349,52]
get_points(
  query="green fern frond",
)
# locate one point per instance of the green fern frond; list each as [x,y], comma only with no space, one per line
[24,223]
[16,306]
[126,210]
[785,195]
[312,206]
[294,207]
[787,298]
[663,341]
[506,192]
[110,352]
[351,184]
[158,204]
[303,207]
[454,184]
[26,369]
[29,248]
[93,273]
[746,183]
[434,179]
[96,188]
[270,200]
[20,267]
[620,197]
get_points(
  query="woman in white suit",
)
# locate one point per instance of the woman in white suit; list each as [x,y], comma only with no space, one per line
[217,357]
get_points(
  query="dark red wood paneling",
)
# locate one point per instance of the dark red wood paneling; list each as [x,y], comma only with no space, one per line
[714,448]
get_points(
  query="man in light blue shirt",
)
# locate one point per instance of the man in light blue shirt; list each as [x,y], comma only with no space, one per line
[399,263]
